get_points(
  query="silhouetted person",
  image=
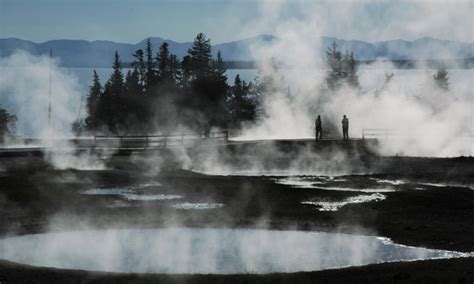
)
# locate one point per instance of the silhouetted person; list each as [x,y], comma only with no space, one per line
[318,128]
[345,128]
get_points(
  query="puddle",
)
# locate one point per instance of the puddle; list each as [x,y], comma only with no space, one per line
[366,190]
[130,193]
[434,184]
[320,183]
[197,206]
[150,197]
[389,181]
[300,182]
[334,206]
[220,251]
[108,191]
[429,184]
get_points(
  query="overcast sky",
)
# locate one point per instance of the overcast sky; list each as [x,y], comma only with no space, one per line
[226,20]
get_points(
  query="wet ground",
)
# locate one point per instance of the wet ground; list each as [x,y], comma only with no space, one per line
[413,201]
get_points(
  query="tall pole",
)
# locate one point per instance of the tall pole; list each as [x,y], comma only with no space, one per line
[49,95]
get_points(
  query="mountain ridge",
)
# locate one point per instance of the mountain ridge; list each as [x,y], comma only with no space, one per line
[99,53]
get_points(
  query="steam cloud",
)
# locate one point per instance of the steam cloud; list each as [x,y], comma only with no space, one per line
[24,89]
[428,122]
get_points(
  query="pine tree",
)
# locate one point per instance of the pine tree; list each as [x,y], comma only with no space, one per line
[218,68]
[115,82]
[112,105]
[240,106]
[204,85]
[341,68]
[175,68]
[132,83]
[150,74]
[217,92]
[333,61]
[186,73]
[200,56]
[164,62]
[350,69]
[441,78]
[95,93]
[133,102]
[7,124]
[139,64]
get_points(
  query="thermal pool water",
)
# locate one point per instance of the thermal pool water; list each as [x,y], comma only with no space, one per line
[219,251]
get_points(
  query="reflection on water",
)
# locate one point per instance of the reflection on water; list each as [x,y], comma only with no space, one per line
[107,191]
[197,206]
[133,193]
[224,251]
[389,181]
[301,182]
[328,183]
[151,197]
[336,205]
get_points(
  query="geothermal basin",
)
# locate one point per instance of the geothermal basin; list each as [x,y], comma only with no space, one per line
[216,251]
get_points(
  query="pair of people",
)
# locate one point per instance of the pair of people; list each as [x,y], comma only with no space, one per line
[319,128]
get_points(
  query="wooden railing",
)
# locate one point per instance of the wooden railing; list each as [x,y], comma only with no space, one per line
[157,141]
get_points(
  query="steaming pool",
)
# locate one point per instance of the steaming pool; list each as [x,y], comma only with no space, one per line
[217,251]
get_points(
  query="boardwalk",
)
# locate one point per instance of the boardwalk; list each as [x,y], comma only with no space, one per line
[34,146]
[128,145]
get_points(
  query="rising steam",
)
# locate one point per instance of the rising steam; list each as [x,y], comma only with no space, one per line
[427,121]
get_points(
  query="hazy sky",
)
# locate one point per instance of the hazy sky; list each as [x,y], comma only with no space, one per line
[227,20]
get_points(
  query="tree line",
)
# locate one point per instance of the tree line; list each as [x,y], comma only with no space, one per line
[161,93]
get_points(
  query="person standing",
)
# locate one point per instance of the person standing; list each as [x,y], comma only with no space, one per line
[318,128]
[345,128]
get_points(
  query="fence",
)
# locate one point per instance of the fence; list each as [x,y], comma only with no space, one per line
[378,133]
[157,141]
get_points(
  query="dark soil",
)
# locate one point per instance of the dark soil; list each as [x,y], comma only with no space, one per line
[36,198]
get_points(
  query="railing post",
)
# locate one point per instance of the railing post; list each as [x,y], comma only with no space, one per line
[226,132]
[182,139]
[166,138]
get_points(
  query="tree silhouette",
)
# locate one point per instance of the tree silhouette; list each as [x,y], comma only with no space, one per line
[441,78]
[164,62]
[150,73]
[241,107]
[342,68]
[95,92]
[112,105]
[200,56]
[7,124]
[160,92]
[139,64]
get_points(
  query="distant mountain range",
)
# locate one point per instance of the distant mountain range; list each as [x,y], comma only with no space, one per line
[81,53]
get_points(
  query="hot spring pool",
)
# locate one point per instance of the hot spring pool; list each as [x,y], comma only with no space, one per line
[220,251]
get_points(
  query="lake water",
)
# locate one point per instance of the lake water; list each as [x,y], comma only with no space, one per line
[84,75]
[220,251]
